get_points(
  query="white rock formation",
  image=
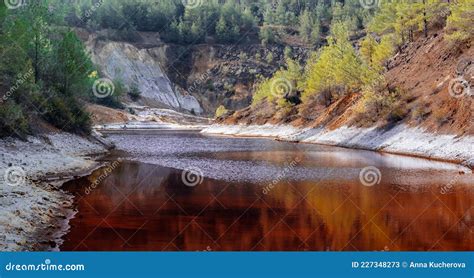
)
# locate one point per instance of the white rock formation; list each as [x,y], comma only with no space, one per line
[125,62]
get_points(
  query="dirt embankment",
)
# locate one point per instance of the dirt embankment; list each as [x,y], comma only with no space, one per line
[105,115]
[425,72]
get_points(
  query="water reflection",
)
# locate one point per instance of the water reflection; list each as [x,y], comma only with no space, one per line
[147,207]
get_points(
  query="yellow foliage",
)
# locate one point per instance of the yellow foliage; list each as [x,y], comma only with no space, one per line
[337,65]
[376,54]
[283,82]
[461,21]
[221,110]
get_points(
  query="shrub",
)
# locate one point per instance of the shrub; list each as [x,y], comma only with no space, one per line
[221,111]
[134,92]
[243,56]
[288,52]
[66,113]
[269,58]
[112,100]
[268,35]
[284,82]
[12,120]
[388,104]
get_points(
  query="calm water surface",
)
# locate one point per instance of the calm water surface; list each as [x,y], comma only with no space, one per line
[259,194]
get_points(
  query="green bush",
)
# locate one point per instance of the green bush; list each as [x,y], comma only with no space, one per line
[134,92]
[389,105]
[269,35]
[112,100]
[221,111]
[12,120]
[66,113]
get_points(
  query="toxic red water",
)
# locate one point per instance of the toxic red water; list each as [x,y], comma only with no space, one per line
[141,206]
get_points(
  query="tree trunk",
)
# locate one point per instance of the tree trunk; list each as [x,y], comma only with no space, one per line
[425,21]
[36,62]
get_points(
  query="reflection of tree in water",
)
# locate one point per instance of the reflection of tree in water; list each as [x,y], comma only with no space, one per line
[357,217]
[327,215]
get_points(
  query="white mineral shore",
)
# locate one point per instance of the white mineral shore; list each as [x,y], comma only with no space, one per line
[35,211]
[148,118]
[399,140]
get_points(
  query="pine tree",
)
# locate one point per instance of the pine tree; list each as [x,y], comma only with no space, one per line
[74,65]
[222,31]
[461,21]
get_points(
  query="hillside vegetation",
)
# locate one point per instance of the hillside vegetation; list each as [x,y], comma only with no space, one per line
[46,75]
[353,81]
[229,21]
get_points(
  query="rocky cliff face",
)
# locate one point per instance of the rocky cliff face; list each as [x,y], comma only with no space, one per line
[227,74]
[194,79]
[143,68]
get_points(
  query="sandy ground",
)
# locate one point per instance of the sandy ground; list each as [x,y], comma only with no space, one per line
[400,139]
[35,211]
[144,117]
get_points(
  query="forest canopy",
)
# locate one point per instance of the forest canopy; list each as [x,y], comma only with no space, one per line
[228,21]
